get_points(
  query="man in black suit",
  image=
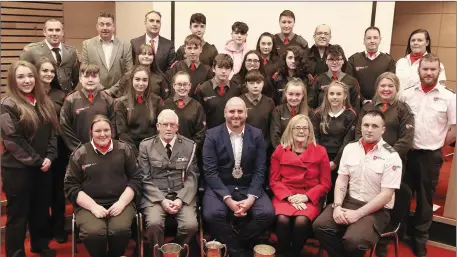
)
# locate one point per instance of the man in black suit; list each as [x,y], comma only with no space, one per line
[234,170]
[164,49]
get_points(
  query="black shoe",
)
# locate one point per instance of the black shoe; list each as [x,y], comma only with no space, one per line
[61,238]
[45,252]
[381,250]
[420,250]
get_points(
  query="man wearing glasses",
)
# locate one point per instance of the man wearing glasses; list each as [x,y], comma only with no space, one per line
[316,55]
[334,60]
[169,169]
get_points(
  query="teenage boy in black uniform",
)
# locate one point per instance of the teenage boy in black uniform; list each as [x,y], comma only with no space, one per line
[366,66]
[214,93]
[287,37]
[334,60]
[198,27]
[198,71]
[81,106]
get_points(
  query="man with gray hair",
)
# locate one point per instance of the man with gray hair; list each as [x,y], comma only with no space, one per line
[169,169]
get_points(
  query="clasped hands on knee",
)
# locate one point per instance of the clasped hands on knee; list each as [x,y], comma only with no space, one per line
[240,208]
[100,211]
[346,216]
[298,201]
[171,207]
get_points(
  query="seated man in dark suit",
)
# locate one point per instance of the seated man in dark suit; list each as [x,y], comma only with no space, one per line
[164,49]
[234,169]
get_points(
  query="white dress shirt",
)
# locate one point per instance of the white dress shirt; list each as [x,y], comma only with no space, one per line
[172,143]
[237,145]
[156,42]
[107,50]
[433,113]
[52,52]
[374,55]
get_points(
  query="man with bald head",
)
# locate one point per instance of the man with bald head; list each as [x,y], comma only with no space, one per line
[235,206]
[316,55]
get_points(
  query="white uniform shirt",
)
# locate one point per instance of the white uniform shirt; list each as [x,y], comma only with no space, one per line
[408,74]
[433,113]
[107,50]
[54,53]
[380,168]
[372,57]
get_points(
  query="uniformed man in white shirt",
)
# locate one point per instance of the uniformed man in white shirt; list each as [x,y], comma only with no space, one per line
[433,106]
[369,172]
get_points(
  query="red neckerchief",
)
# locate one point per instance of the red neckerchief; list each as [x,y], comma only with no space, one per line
[139,99]
[368,146]
[30,97]
[91,97]
[426,88]
[335,77]
[415,57]
[102,149]
[180,103]
[294,111]
[286,41]
[371,54]
[265,61]
[192,66]
[384,107]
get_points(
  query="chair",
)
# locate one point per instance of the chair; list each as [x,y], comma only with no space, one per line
[139,233]
[398,213]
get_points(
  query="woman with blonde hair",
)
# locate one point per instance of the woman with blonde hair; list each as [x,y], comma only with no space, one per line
[136,112]
[299,179]
[28,135]
[294,101]
[399,123]
[334,125]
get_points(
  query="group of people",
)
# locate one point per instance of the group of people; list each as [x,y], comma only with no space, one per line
[138,127]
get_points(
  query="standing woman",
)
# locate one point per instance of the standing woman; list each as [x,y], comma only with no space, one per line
[252,61]
[192,117]
[101,182]
[419,44]
[334,126]
[47,72]
[157,81]
[299,179]
[28,123]
[291,67]
[294,101]
[266,46]
[81,106]
[136,112]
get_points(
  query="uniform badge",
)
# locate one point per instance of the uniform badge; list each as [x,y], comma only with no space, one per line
[237,172]
[284,118]
[375,157]
[324,87]
[204,123]
[409,126]
[208,98]
[435,99]
[394,167]
[77,111]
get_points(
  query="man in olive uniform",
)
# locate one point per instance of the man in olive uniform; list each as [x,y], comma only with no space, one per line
[169,169]
[65,56]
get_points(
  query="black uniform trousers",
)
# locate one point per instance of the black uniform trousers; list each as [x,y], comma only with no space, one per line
[222,223]
[334,176]
[349,240]
[59,167]
[28,194]
[114,232]
[422,173]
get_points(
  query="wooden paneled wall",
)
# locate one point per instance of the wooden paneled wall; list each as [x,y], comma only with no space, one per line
[22,23]
[440,21]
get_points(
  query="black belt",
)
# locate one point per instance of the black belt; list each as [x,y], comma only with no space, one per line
[425,150]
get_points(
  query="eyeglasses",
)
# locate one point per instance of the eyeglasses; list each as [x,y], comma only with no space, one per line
[300,128]
[182,84]
[255,61]
[166,125]
[335,60]
[321,33]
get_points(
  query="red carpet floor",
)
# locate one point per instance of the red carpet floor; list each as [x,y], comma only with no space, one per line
[64,250]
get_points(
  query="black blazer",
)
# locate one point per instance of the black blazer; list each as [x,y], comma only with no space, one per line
[218,161]
[165,55]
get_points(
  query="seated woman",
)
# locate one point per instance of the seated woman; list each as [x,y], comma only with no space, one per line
[252,61]
[101,182]
[294,101]
[334,125]
[136,112]
[299,179]
[267,48]
[292,66]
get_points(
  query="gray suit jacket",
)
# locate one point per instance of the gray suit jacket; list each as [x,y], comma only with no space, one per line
[162,175]
[68,71]
[110,74]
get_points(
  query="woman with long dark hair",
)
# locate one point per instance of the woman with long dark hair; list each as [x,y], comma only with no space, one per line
[136,112]
[157,81]
[266,46]
[28,126]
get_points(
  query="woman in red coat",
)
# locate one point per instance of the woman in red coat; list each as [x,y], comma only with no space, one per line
[299,179]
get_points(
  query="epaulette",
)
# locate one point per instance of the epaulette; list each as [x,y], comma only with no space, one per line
[389,148]
[449,89]
[183,138]
[173,64]
[30,46]
[149,138]
[69,46]
[275,76]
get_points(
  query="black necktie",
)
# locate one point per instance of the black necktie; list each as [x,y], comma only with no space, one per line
[58,56]
[168,147]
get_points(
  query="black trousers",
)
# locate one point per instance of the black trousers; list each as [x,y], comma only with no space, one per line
[334,176]
[28,194]
[58,167]
[220,221]
[422,173]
